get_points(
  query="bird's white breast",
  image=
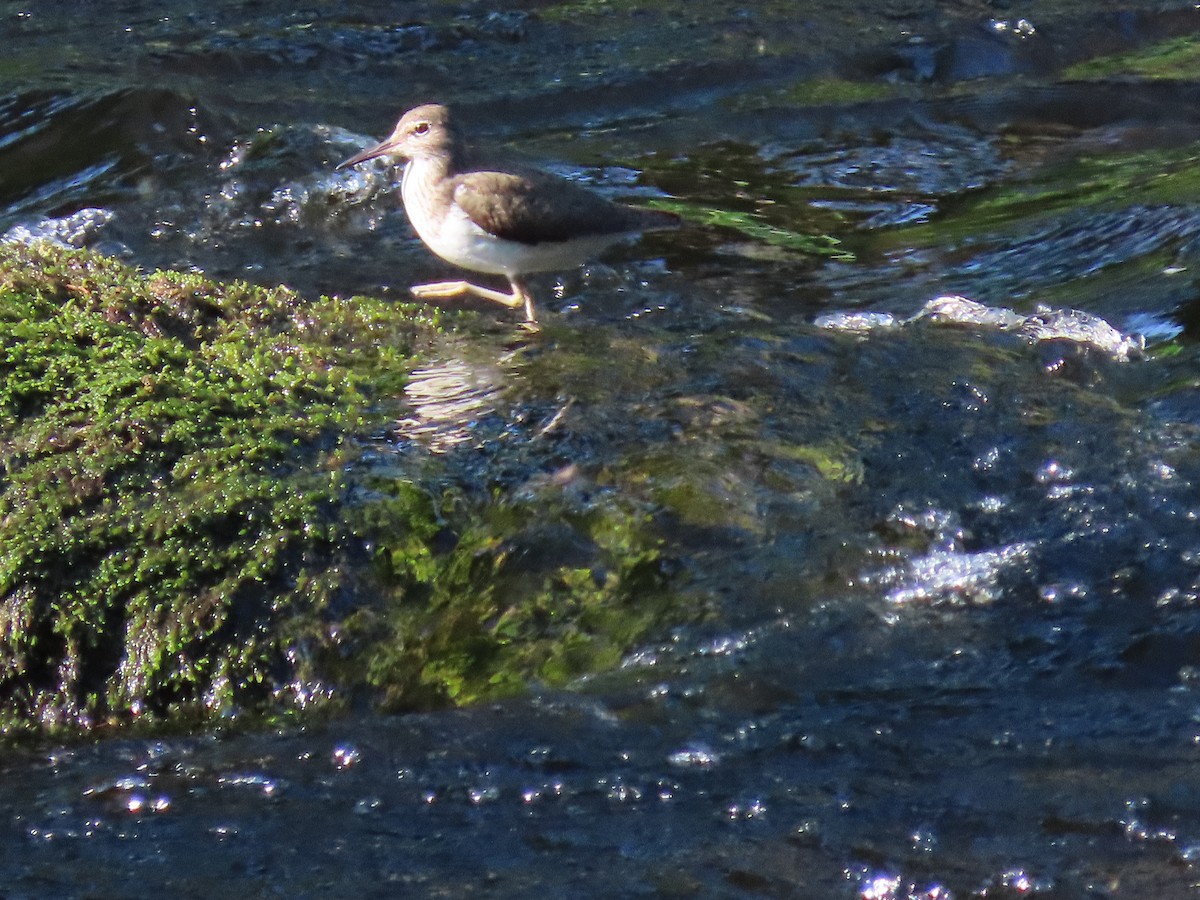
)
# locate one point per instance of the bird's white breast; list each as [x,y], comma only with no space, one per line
[458,240]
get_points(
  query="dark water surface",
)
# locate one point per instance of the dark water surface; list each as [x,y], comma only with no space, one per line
[950,575]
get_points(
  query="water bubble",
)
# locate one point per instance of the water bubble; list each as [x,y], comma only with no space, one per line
[483,794]
[744,810]
[345,756]
[694,757]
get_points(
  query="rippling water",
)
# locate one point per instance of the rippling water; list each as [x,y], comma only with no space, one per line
[447,399]
[951,569]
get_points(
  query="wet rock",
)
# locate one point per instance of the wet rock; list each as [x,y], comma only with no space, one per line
[1081,328]
[80,229]
[955,310]
[1045,324]
[857,322]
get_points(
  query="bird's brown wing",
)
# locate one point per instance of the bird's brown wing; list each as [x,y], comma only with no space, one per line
[535,208]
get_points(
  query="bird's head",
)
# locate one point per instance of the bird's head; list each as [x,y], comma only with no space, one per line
[423,131]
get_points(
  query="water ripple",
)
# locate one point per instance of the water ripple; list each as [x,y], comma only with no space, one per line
[447,399]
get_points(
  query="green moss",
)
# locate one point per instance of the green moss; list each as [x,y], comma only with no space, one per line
[832,461]
[541,588]
[170,456]
[188,526]
[840,91]
[708,490]
[822,91]
[1176,58]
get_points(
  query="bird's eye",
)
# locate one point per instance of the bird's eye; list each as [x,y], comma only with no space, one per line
[421,128]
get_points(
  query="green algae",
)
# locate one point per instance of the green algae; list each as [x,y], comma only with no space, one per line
[547,588]
[170,460]
[731,188]
[1099,183]
[1176,58]
[752,226]
[188,527]
[822,91]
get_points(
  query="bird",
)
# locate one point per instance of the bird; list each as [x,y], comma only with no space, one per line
[501,220]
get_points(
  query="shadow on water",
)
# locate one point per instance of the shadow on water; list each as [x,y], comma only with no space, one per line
[949,574]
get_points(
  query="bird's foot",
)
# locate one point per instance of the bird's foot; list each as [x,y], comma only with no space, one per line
[443,290]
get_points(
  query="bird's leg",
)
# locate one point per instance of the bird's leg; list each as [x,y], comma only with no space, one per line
[443,290]
[521,290]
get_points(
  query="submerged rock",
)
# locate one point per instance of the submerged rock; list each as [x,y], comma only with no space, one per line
[80,229]
[1045,324]
[189,526]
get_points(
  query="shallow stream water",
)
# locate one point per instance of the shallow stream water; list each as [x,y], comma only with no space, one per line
[947,576]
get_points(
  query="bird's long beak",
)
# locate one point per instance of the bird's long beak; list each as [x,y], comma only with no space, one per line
[363,155]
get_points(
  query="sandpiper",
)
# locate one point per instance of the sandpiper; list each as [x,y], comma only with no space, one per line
[499,221]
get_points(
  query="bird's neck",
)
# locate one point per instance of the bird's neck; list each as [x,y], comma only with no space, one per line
[428,193]
[424,174]
[431,168]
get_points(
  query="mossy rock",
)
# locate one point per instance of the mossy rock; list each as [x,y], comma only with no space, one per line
[187,528]
[547,588]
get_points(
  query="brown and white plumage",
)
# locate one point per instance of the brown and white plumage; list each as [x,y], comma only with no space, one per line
[510,221]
